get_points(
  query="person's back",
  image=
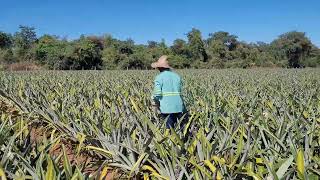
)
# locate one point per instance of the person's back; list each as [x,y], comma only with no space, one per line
[170,97]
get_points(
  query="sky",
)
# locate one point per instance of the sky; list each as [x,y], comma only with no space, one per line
[143,20]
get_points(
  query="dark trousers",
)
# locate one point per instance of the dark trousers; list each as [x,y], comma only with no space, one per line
[173,118]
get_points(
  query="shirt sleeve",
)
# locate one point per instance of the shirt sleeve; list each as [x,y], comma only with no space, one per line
[157,91]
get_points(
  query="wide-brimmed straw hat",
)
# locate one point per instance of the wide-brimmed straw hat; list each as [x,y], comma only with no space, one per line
[161,63]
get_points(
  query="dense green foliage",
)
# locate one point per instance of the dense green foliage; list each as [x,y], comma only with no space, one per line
[219,50]
[259,123]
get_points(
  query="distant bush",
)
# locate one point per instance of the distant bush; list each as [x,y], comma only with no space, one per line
[312,62]
[6,56]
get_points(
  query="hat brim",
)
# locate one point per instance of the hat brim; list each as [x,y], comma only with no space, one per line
[158,65]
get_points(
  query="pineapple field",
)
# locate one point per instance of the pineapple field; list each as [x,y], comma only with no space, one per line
[243,124]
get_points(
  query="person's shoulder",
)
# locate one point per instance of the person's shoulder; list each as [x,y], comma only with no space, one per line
[159,76]
[175,74]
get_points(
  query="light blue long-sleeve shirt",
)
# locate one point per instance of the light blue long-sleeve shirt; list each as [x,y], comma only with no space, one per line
[167,90]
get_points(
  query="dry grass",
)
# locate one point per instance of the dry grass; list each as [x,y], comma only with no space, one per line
[23,66]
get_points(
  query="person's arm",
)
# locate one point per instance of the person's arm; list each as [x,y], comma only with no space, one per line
[157,92]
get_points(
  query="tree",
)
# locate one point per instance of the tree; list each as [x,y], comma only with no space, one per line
[24,41]
[86,55]
[196,46]
[110,58]
[126,47]
[109,41]
[163,48]
[50,51]
[223,46]
[152,44]
[296,47]
[179,47]
[179,58]
[225,38]
[25,37]
[6,56]
[262,46]
[98,41]
[156,49]
[139,59]
[179,62]
[5,40]
[218,49]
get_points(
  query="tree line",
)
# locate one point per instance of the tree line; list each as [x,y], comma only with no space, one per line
[220,50]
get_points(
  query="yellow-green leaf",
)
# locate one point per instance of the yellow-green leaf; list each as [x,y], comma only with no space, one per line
[210,166]
[306,114]
[300,164]
[2,174]
[103,173]
[100,150]
[50,174]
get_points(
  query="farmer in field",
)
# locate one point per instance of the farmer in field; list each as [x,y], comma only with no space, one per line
[167,93]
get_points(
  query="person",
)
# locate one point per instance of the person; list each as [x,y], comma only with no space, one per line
[167,93]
